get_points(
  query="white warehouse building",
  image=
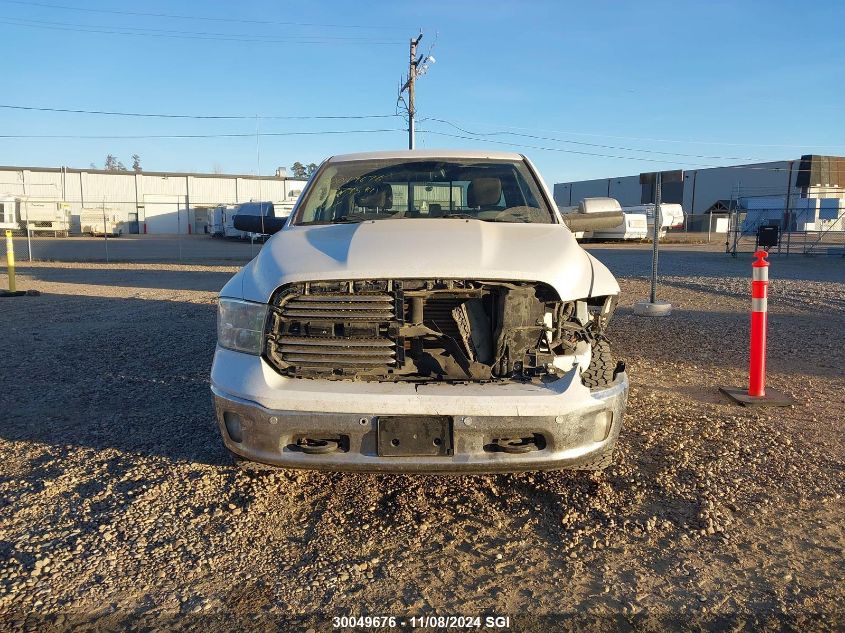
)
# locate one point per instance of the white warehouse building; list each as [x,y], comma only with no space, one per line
[148,201]
[805,193]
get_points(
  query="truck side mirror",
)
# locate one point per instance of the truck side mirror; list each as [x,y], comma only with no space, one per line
[263,225]
[593,214]
[594,221]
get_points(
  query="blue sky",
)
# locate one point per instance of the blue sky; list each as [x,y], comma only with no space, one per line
[726,81]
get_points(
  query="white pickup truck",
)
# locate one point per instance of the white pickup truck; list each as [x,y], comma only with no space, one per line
[423,311]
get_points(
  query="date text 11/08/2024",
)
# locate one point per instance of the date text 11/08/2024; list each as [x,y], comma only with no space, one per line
[423,621]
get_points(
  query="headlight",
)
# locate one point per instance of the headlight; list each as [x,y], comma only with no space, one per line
[240,325]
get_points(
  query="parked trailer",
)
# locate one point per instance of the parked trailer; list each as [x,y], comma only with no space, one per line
[592,206]
[284,209]
[43,216]
[634,225]
[672,216]
[220,223]
[8,216]
[107,221]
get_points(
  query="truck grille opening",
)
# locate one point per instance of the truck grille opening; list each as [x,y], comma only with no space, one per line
[317,331]
[417,330]
[338,307]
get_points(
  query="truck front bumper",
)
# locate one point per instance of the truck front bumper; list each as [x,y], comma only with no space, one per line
[264,417]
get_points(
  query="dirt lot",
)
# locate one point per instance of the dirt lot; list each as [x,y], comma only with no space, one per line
[118,506]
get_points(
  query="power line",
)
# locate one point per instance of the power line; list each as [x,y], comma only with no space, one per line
[650,139]
[586,144]
[547,149]
[636,158]
[209,34]
[196,136]
[250,117]
[193,17]
[170,34]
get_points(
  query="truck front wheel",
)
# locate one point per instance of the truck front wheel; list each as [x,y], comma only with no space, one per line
[600,372]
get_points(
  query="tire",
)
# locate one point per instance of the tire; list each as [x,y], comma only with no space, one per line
[600,372]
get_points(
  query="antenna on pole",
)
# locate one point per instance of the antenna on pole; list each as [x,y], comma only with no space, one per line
[417,66]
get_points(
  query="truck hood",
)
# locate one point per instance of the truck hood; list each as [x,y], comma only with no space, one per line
[424,248]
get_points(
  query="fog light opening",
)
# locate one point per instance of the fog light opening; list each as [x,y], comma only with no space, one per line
[234,428]
[602,426]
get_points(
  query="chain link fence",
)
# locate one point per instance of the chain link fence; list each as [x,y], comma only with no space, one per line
[165,232]
[808,226]
[168,231]
[89,215]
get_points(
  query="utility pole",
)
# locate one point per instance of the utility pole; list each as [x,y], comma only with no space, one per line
[417,66]
[412,75]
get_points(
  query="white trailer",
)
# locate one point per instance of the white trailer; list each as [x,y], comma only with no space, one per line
[106,221]
[284,209]
[221,223]
[591,205]
[634,225]
[8,217]
[672,216]
[43,216]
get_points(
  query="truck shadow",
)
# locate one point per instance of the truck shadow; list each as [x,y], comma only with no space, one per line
[100,372]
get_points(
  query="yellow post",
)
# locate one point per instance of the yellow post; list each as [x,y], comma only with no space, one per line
[10,260]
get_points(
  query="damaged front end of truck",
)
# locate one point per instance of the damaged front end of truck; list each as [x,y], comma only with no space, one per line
[431,330]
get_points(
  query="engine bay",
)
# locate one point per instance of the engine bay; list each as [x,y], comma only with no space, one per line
[430,330]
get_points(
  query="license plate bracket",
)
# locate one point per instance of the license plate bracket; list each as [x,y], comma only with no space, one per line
[414,435]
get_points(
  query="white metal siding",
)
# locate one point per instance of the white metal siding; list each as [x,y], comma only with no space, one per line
[153,196]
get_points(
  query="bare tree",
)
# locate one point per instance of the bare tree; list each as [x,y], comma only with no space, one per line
[136,163]
[111,162]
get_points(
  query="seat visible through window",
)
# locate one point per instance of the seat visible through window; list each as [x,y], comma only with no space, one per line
[484,193]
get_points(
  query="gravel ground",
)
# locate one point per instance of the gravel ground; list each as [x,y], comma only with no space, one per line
[119,508]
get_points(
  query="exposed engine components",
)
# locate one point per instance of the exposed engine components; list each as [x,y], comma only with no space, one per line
[456,330]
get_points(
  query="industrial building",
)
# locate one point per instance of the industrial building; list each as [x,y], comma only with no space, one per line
[703,190]
[147,202]
[804,198]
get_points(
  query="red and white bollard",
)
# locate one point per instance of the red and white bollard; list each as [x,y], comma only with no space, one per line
[759,314]
[756,394]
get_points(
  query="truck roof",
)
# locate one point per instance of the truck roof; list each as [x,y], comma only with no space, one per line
[427,154]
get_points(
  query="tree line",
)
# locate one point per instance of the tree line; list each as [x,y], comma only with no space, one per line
[113,164]
[298,170]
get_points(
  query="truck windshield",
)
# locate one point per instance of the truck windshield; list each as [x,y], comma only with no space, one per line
[487,190]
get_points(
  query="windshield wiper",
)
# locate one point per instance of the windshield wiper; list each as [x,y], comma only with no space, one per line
[460,215]
[343,219]
[469,216]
